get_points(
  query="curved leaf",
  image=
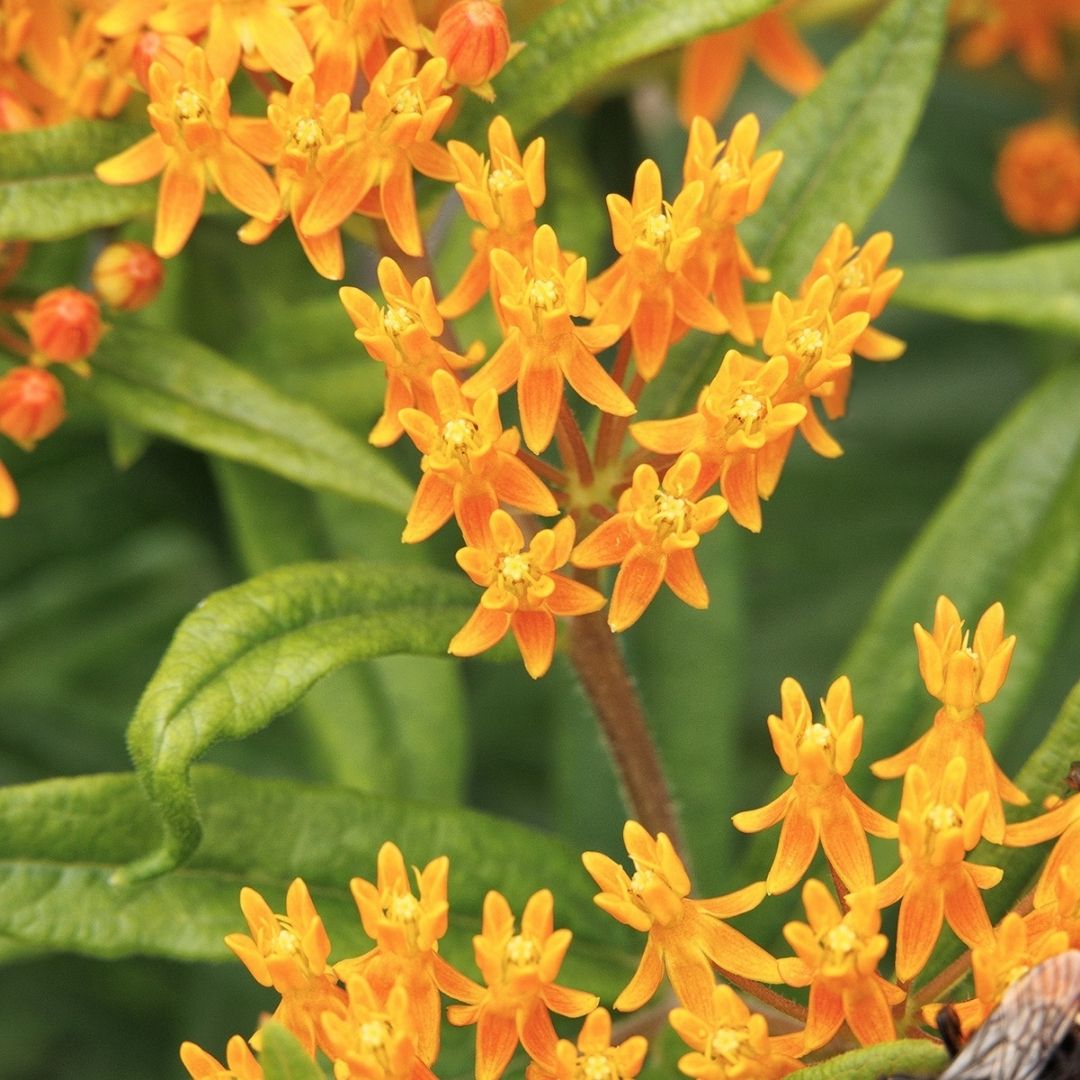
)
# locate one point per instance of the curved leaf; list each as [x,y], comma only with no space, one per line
[283,1058]
[175,387]
[1037,287]
[61,841]
[573,45]
[915,1057]
[48,190]
[249,652]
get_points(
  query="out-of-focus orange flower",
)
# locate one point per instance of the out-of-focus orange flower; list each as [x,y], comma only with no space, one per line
[962,677]
[647,289]
[1033,29]
[544,345]
[202,1066]
[1038,177]
[837,957]
[473,37]
[730,1043]
[1059,909]
[652,537]
[735,186]
[502,193]
[520,992]
[406,930]
[192,147]
[469,466]
[289,952]
[594,1058]
[401,335]
[1063,821]
[392,135]
[64,326]
[938,826]
[741,430]
[712,65]
[303,138]
[522,592]
[819,807]
[376,1038]
[127,275]
[31,405]
[684,936]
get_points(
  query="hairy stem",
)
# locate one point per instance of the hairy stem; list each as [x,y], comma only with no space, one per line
[767,997]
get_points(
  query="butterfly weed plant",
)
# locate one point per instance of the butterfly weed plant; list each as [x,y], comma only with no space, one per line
[554,442]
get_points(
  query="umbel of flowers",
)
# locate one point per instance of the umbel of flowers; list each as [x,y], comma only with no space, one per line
[379,1015]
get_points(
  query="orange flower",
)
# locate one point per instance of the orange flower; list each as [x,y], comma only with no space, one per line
[652,537]
[1038,177]
[647,289]
[127,275]
[819,807]
[193,149]
[473,37]
[398,119]
[1059,911]
[289,953]
[1033,29]
[937,829]
[962,678]
[712,65]
[544,345]
[302,137]
[201,1066]
[406,931]
[522,592]
[741,430]
[594,1058]
[502,193]
[31,405]
[838,955]
[685,936]
[735,186]
[402,336]
[376,1039]
[1063,821]
[64,326]
[519,971]
[469,466]
[731,1043]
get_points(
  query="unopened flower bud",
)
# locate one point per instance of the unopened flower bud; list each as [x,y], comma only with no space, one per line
[64,325]
[473,37]
[31,404]
[167,49]
[127,275]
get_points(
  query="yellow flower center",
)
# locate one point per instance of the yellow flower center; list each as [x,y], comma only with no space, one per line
[852,276]
[641,880]
[307,134]
[747,409]
[543,295]
[728,1043]
[286,943]
[522,952]
[517,573]
[459,434]
[670,514]
[722,171]
[499,180]
[818,734]
[656,231]
[396,320]
[374,1035]
[809,343]
[407,100]
[404,908]
[839,942]
[596,1067]
[940,817]
[189,105]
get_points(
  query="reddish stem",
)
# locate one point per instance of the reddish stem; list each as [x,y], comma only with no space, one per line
[572,446]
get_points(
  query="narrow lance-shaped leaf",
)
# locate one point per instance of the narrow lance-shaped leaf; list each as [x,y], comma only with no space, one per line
[283,1058]
[61,841]
[843,144]
[1037,288]
[249,652]
[178,388]
[574,44]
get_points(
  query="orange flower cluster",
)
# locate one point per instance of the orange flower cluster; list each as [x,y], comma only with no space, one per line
[379,1015]
[680,266]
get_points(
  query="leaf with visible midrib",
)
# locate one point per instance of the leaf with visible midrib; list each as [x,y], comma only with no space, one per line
[249,652]
[283,1058]
[178,388]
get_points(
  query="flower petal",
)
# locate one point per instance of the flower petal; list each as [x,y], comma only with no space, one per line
[645,980]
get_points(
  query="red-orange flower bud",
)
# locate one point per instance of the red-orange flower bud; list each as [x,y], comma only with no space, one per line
[127,275]
[31,404]
[1038,177]
[473,37]
[65,325]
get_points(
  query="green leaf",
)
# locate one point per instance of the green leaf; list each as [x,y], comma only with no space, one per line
[915,1057]
[283,1058]
[1037,287]
[48,190]
[61,842]
[249,652]
[573,45]
[1009,531]
[843,143]
[175,387]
